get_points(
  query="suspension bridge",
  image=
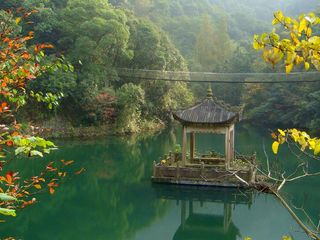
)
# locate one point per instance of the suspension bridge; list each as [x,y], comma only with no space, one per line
[213,77]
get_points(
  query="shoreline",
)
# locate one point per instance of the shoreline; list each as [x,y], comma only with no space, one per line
[90,132]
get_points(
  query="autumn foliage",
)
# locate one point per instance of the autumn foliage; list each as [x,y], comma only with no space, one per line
[21,63]
[296,45]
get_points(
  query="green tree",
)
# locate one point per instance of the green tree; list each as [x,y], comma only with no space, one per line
[212,48]
[130,100]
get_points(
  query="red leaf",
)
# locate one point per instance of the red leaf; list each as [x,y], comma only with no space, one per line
[27,203]
[51,190]
[26,55]
[80,171]
[9,176]
[67,162]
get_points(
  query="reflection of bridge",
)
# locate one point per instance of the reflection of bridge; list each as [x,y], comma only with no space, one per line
[207,77]
[198,224]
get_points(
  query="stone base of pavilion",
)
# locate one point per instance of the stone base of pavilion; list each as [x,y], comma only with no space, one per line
[206,171]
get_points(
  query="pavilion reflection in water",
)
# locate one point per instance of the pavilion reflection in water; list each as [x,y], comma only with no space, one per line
[200,222]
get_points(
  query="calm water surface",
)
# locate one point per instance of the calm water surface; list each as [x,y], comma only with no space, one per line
[114,199]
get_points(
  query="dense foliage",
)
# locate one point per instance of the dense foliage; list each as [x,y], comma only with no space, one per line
[101,37]
[98,39]
[216,35]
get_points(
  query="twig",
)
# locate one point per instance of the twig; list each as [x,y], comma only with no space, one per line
[267,157]
[306,214]
[242,180]
[310,233]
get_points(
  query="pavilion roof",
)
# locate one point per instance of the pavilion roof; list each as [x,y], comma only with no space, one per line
[209,111]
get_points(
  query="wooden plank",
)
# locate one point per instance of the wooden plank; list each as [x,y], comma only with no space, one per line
[216,130]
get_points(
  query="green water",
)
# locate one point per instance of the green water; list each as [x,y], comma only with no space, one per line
[114,199]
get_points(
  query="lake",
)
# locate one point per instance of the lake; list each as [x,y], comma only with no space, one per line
[115,199]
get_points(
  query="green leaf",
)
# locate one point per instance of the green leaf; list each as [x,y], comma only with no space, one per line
[8,212]
[36,153]
[19,150]
[5,197]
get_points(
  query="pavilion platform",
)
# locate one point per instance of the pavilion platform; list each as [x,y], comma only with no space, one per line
[206,171]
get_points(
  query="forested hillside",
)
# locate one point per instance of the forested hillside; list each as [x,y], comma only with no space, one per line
[216,36]
[98,37]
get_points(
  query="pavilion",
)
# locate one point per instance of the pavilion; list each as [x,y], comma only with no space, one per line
[209,169]
[209,116]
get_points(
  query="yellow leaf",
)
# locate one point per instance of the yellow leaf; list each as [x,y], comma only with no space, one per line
[304,134]
[256,45]
[295,134]
[309,32]
[289,68]
[37,186]
[299,60]
[312,14]
[317,149]
[275,21]
[306,66]
[312,144]
[294,38]
[279,15]
[18,20]
[281,139]
[275,147]
[303,25]
[286,237]
[281,132]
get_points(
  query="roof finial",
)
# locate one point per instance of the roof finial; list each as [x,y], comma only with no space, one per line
[209,92]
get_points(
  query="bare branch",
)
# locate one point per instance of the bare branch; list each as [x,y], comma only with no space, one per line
[242,180]
[282,183]
[304,175]
[267,157]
